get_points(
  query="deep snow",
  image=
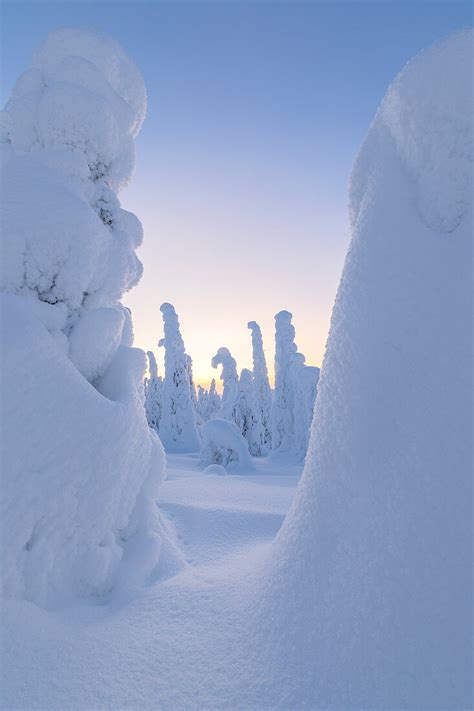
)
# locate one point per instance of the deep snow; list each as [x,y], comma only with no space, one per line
[174,643]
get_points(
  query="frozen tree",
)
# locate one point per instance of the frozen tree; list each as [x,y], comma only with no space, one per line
[282,409]
[78,493]
[250,413]
[262,385]
[214,398]
[178,429]
[153,394]
[373,565]
[305,382]
[228,405]
[192,387]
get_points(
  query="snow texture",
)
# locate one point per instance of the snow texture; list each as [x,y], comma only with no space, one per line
[178,428]
[222,443]
[373,564]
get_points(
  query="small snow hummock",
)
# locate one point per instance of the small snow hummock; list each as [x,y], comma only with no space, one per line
[373,563]
[222,443]
[81,469]
[178,428]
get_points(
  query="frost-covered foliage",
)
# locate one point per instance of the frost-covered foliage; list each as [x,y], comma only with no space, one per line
[250,413]
[81,468]
[214,398]
[282,408]
[228,404]
[262,385]
[373,563]
[222,443]
[178,428]
[153,394]
[305,383]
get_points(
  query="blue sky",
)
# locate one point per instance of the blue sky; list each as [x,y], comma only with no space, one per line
[256,112]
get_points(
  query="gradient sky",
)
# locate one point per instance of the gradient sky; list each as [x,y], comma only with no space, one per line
[256,111]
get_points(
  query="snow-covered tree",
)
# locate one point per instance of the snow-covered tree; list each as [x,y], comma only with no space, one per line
[228,403]
[83,483]
[250,413]
[178,428]
[283,397]
[373,565]
[153,394]
[262,385]
[192,387]
[305,382]
[214,398]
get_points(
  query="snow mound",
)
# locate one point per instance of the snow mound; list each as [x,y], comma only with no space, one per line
[222,443]
[369,590]
[215,469]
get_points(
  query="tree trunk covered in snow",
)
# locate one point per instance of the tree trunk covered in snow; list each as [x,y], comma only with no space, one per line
[370,587]
[282,409]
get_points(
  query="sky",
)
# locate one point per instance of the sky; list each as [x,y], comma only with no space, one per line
[256,111]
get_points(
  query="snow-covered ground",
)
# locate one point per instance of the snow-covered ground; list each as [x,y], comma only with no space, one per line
[174,643]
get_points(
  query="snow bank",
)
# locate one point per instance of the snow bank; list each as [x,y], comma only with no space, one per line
[368,597]
[223,444]
[81,468]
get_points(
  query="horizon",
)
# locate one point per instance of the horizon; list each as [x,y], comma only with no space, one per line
[255,115]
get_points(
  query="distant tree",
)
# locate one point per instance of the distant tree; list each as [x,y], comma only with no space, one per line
[153,394]
[262,386]
[250,414]
[178,428]
[283,398]
[228,409]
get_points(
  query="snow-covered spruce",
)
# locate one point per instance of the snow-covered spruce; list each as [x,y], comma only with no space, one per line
[305,384]
[373,563]
[178,428]
[250,414]
[228,409]
[262,385]
[222,443]
[282,407]
[153,394]
[80,467]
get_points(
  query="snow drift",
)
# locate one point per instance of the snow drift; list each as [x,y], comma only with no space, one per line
[368,597]
[80,468]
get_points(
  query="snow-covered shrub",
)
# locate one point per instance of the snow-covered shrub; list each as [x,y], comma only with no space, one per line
[222,443]
[262,385]
[282,407]
[178,429]
[81,468]
[373,563]
[228,403]
[250,414]
[153,394]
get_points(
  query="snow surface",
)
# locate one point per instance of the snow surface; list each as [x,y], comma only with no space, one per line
[177,644]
